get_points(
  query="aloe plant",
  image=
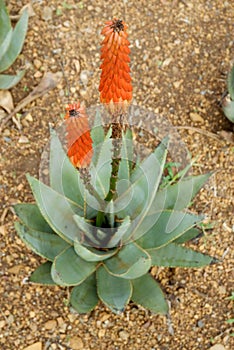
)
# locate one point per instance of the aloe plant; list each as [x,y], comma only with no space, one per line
[103,237]
[11,43]
[228,100]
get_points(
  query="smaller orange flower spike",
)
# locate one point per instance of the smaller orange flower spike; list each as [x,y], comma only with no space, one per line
[115,85]
[79,142]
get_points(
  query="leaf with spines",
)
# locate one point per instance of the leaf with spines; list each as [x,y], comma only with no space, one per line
[47,245]
[42,274]
[114,292]
[174,255]
[189,235]
[147,293]
[31,216]
[84,297]
[125,164]
[57,210]
[166,227]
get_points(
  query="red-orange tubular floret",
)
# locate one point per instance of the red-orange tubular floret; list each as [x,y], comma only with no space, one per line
[79,142]
[115,85]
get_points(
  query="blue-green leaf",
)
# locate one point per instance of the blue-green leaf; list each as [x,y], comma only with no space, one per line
[17,42]
[8,81]
[84,297]
[174,255]
[147,293]
[114,292]
[69,269]
[166,227]
[42,274]
[6,42]
[92,254]
[57,210]
[47,245]
[130,262]
[5,23]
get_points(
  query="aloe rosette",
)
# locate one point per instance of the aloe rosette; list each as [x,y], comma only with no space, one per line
[11,43]
[105,245]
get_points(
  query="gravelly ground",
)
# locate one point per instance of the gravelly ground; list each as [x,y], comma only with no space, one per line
[181,52]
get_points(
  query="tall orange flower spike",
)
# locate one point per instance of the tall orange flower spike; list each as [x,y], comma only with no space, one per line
[79,142]
[115,85]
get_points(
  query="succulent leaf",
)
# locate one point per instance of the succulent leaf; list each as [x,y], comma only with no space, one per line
[114,292]
[100,171]
[92,254]
[168,226]
[97,135]
[31,216]
[47,245]
[130,262]
[119,233]
[57,210]
[179,195]
[6,41]
[126,155]
[87,229]
[5,23]
[147,293]
[84,297]
[8,81]
[42,274]
[188,236]
[145,181]
[17,42]
[173,255]
[68,269]
[228,108]
[230,83]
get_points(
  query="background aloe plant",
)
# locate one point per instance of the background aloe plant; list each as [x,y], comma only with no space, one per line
[11,43]
[101,238]
[228,100]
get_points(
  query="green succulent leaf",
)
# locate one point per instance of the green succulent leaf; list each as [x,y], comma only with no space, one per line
[179,195]
[42,274]
[5,23]
[92,254]
[97,135]
[147,293]
[57,210]
[17,42]
[130,262]
[84,297]
[31,216]
[230,83]
[88,230]
[188,235]
[100,171]
[119,233]
[125,165]
[47,245]
[8,81]
[173,255]
[68,269]
[65,179]
[167,226]
[6,41]
[114,292]
[145,180]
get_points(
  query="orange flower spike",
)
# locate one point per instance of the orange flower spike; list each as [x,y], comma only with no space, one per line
[79,142]
[115,85]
